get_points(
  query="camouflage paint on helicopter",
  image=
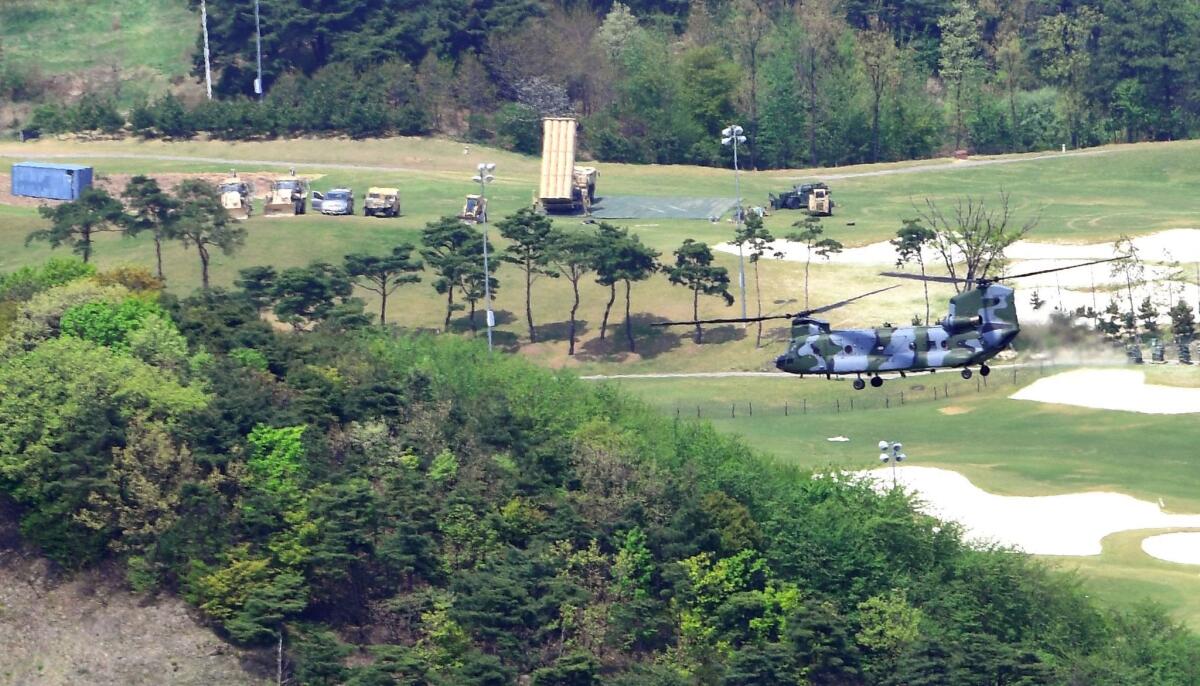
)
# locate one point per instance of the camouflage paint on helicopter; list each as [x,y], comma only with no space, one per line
[982,322]
[986,325]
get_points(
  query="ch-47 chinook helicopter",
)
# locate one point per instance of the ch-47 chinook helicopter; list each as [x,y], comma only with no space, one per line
[982,322]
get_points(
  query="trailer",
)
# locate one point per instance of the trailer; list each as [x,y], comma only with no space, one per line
[50,181]
[563,186]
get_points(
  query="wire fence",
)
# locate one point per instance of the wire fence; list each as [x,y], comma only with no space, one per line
[895,393]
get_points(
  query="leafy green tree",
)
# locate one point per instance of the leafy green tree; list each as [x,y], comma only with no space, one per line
[1066,59]
[154,210]
[65,406]
[910,242]
[30,280]
[451,250]
[758,239]
[959,59]
[1183,322]
[77,222]
[880,60]
[106,323]
[304,296]
[205,224]
[382,275]
[258,283]
[694,269]
[636,262]
[608,264]
[810,234]
[532,237]
[574,256]
[1148,314]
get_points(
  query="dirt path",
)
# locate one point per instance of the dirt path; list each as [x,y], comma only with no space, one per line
[918,169]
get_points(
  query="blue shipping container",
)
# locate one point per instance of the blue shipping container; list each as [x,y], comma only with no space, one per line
[51,181]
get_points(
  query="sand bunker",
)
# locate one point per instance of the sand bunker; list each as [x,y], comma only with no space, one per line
[1124,390]
[1044,525]
[1182,547]
[1182,245]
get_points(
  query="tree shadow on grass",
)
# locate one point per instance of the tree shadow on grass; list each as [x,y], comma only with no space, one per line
[714,335]
[649,341]
[559,331]
[462,324]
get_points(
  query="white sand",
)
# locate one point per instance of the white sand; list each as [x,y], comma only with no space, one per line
[1182,245]
[1045,525]
[1181,547]
[1111,389]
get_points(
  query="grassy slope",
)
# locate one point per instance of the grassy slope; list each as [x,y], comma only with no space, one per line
[147,42]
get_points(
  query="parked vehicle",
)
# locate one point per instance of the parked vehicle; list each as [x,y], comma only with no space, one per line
[382,202]
[336,201]
[816,198]
[474,210]
[237,196]
[288,196]
[563,187]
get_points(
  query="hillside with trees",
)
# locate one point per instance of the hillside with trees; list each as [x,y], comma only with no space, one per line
[377,507]
[815,83]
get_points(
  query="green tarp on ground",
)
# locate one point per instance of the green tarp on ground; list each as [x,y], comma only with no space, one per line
[659,207]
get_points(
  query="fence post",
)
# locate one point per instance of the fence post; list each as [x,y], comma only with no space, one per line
[945,390]
[732,410]
[901,397]
[750,404]
[839,404]
[785,408]
[851,402]
[677,412]
[935,393]
[978,387]
[697,410]
[887,402]
[1014,375]
[804,405]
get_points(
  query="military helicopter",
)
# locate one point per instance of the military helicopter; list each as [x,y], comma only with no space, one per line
[982,322]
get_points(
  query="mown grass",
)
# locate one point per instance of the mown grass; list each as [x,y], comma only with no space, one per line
[145,44]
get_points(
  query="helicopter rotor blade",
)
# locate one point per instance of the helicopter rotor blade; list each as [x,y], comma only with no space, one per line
[735,320]
[840,303]
[1059,269]
[918,277]
[793,315]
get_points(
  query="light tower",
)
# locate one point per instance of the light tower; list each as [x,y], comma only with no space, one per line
[484,177]
[732,135]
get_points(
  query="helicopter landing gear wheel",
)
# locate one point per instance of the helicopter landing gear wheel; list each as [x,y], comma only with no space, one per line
[859,384]
[984,370]
[876,381]
[966,373]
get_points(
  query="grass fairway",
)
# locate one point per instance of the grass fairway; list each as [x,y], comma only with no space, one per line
[1123,575]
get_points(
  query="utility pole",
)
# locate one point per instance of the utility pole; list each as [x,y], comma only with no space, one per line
[484,178]
[207,61]
[258,82]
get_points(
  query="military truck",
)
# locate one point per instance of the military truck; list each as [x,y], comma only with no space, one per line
[474,209]
[382,202]
[236,196]
[815,198]
[288,196]
[564,187]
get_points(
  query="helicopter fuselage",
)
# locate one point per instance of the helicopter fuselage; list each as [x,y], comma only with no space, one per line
[981,323]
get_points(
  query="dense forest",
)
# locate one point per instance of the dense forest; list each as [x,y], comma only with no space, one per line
[815,83]
[388,508]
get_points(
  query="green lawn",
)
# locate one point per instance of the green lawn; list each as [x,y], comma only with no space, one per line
[144,45]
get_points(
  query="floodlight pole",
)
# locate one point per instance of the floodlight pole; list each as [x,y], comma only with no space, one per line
[484,177]
[258,82]
[733,134]
[891,452]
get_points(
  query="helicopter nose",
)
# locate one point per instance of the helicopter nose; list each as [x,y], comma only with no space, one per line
[780,361]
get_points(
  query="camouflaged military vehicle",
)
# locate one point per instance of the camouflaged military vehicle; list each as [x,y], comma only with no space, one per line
[981,323]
